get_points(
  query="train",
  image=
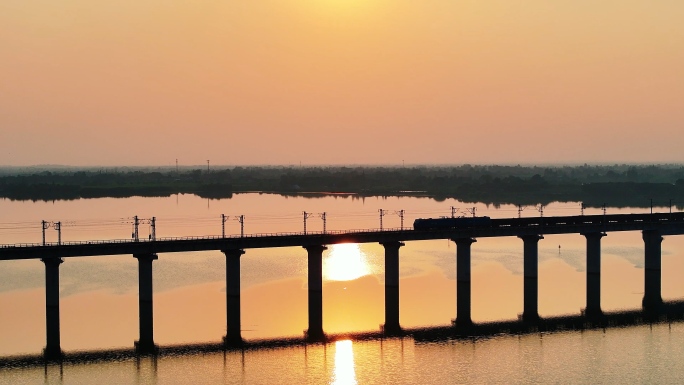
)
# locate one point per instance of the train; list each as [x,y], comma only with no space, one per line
[450,223]
[446,223]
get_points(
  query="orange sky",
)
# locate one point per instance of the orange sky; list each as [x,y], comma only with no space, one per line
[340,81]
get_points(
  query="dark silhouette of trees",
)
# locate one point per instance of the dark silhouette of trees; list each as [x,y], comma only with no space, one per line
[616,185]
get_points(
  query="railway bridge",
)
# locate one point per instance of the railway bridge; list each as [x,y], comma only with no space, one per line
[529,230]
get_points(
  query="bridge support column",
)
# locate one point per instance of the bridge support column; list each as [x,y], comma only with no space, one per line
[392,326]
[233,335]
[315,283]
[593,308]
[531,273]
[652,302]
[145,345]
[53,350]
[463,287]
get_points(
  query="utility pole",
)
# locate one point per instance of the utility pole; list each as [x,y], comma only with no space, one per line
[382,214]
[223,225]
[540,208]
[58,227]
[604,209]
[582,208]
[323,217]
[651,205]
[207,165]
[472,211]
[46,225]
[153,228]
[453,211]
[136,222]
[241,219]
[401,215]
[520,210]
[306,216]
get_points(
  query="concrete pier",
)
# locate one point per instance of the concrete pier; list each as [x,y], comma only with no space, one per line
[463,286]
[233,335]
[145,345]
[593,308]
[315,283]
[652,302]
[391,326]
[531,273]
[53,349]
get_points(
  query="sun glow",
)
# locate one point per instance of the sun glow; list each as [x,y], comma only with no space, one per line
[344,373]
[345,262]
[341,4]
[343,8]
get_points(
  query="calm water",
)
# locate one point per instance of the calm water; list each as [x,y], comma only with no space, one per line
[99,297]
[618,356]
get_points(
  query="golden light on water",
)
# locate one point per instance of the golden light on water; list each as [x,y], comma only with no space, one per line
[344,373]
[345,262]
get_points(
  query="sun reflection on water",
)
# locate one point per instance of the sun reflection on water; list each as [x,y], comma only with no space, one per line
[344,373]
[345,262]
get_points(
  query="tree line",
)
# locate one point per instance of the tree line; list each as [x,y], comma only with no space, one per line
[595,185]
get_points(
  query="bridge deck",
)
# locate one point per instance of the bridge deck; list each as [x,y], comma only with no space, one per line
[665,224]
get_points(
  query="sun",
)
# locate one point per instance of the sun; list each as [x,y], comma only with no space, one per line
[345,262]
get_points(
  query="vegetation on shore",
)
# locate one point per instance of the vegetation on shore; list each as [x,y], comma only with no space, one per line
[595,185]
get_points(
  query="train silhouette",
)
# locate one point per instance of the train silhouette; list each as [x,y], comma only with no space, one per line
[446,223]
[450,223]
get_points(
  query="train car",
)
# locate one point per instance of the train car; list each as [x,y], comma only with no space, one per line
[446,223]
[450,223]
[516,222]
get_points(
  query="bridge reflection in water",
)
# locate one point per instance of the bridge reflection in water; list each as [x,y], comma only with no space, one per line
[530,230]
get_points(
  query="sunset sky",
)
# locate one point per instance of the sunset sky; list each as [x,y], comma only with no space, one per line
[147,82]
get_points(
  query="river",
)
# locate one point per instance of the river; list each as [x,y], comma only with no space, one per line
[99,296]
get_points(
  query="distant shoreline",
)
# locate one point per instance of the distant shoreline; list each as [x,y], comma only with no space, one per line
[594,186]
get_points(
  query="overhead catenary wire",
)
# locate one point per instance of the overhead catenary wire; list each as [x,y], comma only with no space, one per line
[259,221]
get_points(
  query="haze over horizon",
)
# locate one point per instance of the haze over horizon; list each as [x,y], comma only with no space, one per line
[213,167]
[330,82]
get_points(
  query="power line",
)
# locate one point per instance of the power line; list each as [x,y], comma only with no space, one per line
[382,214]
[401,215]
[223,225]
[241,219]
[306,216]
[136,225]
[46,225]
[57,226]
[323,216]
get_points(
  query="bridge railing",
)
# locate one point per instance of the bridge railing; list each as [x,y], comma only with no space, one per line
[204,237]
